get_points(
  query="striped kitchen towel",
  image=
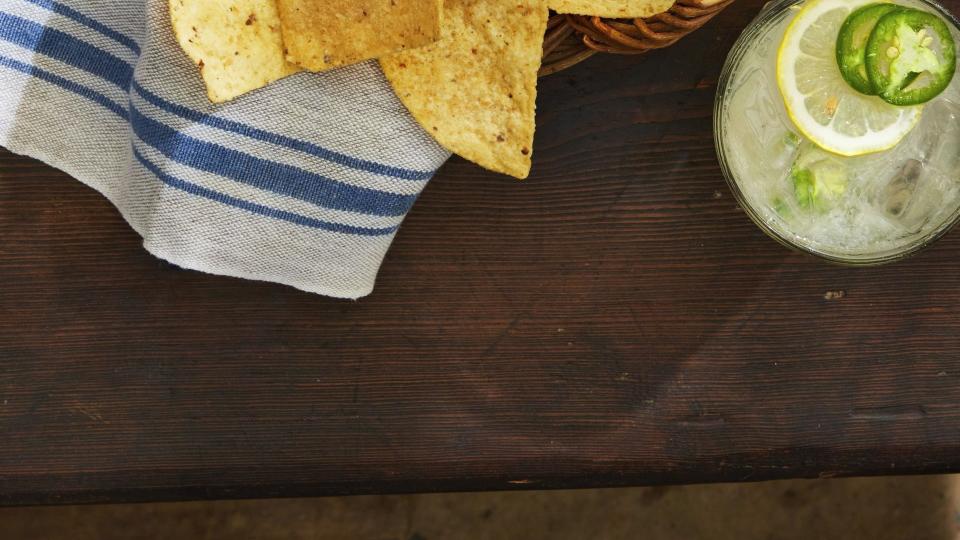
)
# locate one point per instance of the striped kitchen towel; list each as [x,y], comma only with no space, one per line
[303,183]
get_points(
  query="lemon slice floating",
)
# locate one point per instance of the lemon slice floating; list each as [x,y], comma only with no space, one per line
[819,102]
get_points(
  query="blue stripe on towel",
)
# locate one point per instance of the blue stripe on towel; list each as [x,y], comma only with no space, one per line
[267,175]
[279,140]
[65,48]
[70,13]
[256,208]
[66,84]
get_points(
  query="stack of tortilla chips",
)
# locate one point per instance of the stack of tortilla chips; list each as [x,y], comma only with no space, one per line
[466,69]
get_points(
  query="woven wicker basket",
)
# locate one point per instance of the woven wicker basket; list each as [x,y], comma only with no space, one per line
[572,39]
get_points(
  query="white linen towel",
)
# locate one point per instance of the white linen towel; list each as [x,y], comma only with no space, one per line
[304,182]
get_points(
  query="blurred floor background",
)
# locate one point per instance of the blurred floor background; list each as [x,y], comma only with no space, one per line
[896,508]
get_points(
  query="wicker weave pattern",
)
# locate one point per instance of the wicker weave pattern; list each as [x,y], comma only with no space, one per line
[572,39]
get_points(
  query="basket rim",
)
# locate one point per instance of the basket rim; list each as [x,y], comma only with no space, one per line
[571,39]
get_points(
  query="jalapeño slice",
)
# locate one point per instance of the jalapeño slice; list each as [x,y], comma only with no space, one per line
[852,44]
[911,57]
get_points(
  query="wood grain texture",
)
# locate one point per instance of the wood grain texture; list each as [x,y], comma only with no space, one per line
[614,320]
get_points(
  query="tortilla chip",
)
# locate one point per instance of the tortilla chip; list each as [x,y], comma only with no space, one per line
[324,34]
[235,43]
[621,9]
[475,90]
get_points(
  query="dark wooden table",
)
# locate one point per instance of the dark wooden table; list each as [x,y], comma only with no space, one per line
[615,320]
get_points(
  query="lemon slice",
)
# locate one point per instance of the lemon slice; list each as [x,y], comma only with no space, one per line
[819,102]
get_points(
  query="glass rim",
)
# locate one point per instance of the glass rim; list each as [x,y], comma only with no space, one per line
[732,62]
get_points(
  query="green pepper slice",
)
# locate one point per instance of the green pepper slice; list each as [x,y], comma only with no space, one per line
[911,57]
[852,45]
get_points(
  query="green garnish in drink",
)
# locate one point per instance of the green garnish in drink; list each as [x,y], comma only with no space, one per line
[818,178]
[852,45]
[910,57]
